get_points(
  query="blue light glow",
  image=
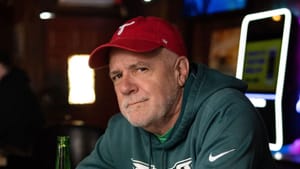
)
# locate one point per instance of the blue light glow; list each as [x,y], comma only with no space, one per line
[202,7]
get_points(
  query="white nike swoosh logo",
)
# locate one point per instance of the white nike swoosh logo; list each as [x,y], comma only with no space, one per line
[213,158]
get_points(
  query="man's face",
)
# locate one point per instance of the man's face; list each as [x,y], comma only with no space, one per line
[146,85]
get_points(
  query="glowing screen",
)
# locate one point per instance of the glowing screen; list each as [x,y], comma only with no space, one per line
[261,65]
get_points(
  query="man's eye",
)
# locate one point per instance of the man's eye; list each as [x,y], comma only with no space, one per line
[116,77]
[142,69]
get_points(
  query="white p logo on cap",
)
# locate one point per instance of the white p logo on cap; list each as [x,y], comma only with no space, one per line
[122,27]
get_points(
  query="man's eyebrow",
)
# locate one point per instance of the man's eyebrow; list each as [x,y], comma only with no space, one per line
[130,67]
[133,66]
[138,64]
[112,73]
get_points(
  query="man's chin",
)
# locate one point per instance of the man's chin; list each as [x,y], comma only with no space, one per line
[137,123]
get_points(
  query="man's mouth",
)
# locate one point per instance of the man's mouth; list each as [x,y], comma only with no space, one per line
[135,102]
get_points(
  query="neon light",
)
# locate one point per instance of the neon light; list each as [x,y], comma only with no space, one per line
[260,99]
[261,95]
[278,156]
[282,64]
[298,105]
[294,148]
[258,102]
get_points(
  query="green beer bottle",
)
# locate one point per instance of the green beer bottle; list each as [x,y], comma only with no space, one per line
[63,157]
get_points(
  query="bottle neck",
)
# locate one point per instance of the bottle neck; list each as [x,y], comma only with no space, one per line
[63,158]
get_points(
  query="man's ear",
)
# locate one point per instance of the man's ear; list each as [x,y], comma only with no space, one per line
[182,68]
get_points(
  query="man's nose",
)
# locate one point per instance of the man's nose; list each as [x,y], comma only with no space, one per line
[127,85]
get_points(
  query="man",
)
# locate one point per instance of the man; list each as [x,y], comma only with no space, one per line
[174,114]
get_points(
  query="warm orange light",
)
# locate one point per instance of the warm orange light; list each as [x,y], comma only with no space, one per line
[276,18]
[81,80]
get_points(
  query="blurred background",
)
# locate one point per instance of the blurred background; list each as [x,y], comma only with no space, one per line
[42,46]
[49,38]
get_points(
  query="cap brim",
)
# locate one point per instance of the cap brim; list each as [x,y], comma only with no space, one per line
[99,56]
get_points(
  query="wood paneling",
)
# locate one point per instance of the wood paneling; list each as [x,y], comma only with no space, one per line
[66,36]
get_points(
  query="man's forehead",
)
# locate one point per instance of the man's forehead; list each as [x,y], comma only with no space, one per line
[120,55]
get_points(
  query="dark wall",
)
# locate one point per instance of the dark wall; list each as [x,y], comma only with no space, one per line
[6,28]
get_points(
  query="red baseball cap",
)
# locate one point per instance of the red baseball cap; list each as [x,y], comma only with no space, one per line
[140,34]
